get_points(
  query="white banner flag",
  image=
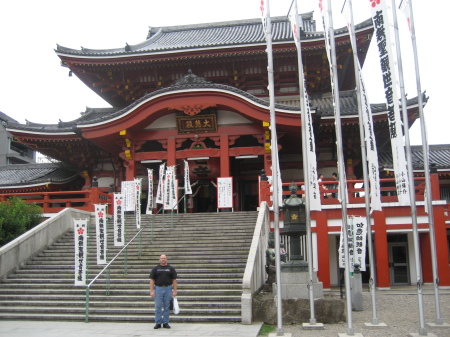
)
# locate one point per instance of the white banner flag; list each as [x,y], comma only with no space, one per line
[380,20]
[323,6]
[225,192]
[187,181]
[357,234]
[310,174]
[80,228]
[149,208]
[367,122]
[119,224]
[137,200]
[100,233]
[170,190]
[159,191]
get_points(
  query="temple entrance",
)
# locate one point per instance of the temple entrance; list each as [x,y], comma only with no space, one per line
[398,263]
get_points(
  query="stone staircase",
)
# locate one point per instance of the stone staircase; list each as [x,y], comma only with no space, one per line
[209,251]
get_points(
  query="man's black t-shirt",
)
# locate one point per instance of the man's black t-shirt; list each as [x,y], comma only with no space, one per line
[163,275]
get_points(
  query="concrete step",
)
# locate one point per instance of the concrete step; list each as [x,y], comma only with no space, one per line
[208,250]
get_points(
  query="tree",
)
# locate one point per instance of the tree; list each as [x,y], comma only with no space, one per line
[17,217]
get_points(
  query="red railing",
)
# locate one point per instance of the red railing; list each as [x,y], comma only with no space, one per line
[54,202]
[355,190]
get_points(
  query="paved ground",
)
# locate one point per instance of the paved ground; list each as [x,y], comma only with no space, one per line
[79,329]
[397,308]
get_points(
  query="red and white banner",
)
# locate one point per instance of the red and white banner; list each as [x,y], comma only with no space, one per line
[380,18]
[159,191]
[80,229]
[100,233]
[119,223]
[149,208]
[356,233]
[367,122]
[225,192]
[137,200]
[264,8]
[406,9]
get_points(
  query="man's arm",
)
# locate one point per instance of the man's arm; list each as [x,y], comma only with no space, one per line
[174,287]
[152,287]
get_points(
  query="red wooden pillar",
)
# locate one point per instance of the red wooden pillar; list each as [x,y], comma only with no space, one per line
[381,250]
[323,256]
[441,246]
[224,156]
[130,172]
[425,253]
[171,151]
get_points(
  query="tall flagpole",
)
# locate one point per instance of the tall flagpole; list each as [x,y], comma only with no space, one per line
[439,320]
[341,170]
[275,166]
[419,282]
[362,135]
[303,111]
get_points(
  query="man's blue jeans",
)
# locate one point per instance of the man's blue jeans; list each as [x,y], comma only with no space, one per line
[163,295]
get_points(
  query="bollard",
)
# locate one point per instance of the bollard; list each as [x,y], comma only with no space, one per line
[357,298]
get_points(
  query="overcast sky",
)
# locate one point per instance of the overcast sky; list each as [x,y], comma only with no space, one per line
[35,87]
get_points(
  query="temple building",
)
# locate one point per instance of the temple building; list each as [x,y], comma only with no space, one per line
[199,93]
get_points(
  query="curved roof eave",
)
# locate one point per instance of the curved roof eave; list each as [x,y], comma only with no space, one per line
[40,132]
[145,100]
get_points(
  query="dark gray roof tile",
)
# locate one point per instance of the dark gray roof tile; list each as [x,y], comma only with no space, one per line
[212,35]
[35,174]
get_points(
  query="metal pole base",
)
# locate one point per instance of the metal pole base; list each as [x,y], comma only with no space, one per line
[273,334]
[376,325]
[418,335]
[313,326]
[353,335]
[438,325]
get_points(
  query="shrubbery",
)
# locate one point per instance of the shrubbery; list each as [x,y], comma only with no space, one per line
[16,217]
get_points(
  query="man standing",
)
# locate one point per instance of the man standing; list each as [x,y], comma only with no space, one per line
[163,285]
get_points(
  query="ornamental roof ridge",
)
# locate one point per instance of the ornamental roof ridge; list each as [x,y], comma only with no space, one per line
[206,35]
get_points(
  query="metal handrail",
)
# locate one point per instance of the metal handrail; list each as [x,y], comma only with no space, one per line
[117,255]
[107,268]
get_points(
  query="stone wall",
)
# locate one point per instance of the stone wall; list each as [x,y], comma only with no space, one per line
[296,311]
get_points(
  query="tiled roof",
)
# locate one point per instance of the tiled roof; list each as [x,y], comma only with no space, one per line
[6,118]
[211,35]
[438,155]
[323,103]
[35,174]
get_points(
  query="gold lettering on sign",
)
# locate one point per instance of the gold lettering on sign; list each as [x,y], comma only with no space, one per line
[197,124]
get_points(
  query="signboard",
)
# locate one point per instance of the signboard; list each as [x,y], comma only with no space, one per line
[197,124]
[225,192]
[128,189]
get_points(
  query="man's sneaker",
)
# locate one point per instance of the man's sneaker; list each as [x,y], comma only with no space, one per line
[157,326]
[167,326]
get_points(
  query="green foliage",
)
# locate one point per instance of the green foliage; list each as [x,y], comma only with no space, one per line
[266,329]
[16,217]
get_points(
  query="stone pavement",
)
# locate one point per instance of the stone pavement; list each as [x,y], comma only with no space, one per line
[80,329]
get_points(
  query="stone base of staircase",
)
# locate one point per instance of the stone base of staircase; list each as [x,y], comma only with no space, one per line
[208,250]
